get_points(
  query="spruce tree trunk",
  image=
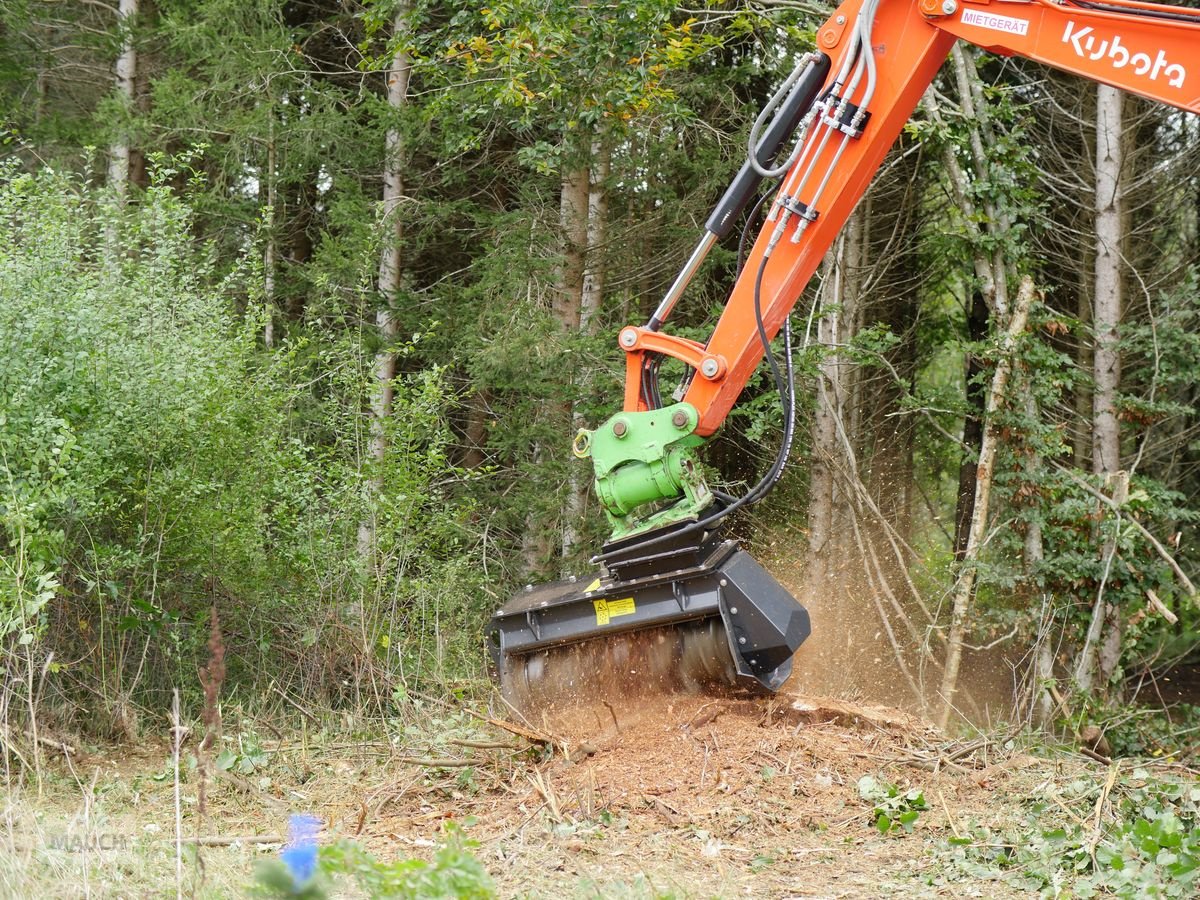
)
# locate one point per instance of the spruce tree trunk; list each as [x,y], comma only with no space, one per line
[390,261]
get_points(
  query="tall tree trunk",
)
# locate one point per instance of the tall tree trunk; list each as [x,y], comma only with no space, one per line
[475,432]
[1102,648]
[591,296]
[824,434]
[828,506]
[538,542]
[126,76]
[965,584]
[1107,303]
[399,73]
[269,251]
[977,324]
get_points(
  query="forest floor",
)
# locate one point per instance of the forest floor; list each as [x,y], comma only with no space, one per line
[671,796]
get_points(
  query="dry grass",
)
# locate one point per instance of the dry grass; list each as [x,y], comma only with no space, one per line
[683,796]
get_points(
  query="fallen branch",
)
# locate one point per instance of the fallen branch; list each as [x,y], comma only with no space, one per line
[520,731]
[38,738]
[1160,607]
[435,763]
[219,840]
[485,745]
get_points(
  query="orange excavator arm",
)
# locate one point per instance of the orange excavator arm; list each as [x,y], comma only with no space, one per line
[673,603]
[882,55]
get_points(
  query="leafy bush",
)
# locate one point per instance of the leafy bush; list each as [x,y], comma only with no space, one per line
[1152,849]
[156,462]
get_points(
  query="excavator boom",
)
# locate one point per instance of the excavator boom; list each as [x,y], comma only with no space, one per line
[671,604]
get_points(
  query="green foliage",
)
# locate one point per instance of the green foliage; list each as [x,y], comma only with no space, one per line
[155,461]
[1150,849]
[453,872]
[894,809]
[135,424]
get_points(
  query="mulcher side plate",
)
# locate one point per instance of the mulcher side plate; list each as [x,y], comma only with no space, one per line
[715,616]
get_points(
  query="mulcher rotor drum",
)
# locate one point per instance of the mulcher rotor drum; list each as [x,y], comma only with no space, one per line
[689,617]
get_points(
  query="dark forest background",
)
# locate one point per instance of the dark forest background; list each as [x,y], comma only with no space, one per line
[302,302]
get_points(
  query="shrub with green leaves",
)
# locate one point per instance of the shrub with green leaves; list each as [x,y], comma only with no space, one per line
[453,872]
[157,462]
[137,428]
[1149,848]
[895,809]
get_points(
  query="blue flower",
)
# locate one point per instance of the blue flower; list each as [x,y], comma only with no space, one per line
[300,853]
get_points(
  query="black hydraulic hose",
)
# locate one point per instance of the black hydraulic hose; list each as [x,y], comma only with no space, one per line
[1137,12]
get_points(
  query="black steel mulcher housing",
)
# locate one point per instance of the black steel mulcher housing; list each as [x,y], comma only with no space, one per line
[677,585]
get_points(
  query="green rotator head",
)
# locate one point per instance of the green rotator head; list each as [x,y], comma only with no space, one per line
[642,461]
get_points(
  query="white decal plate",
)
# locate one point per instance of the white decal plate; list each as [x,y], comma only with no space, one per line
[995,22]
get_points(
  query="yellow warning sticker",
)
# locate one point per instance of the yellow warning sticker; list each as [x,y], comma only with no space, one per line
[607,609]
[591,587]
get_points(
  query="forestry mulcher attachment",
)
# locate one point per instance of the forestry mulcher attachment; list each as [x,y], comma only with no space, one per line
[672,605]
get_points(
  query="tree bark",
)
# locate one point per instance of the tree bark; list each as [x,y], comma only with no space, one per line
[824,435]
[591,296]
[965,584]
[126,76]
[839,295]
[566,305]
[1107,301]
[977,324]
[269,251]
[1102,647]
[390,261]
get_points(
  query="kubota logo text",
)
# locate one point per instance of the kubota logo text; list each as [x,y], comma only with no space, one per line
[1087,44]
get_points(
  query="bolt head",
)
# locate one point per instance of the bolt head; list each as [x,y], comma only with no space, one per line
[841,20]
[628,338]
[949,7]
[741,640]
[619,429]
[733,610]
[724,582]
[679,419]
[708,368]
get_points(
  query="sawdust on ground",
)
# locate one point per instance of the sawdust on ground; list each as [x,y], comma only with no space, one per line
[684,796]
[691,796]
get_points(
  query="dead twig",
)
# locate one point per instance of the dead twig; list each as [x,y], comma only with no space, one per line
[218,840]
[1098,815]
[702,717]
[435,763]
[485,745]
[1160,607]
[546,792]
[613,713]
